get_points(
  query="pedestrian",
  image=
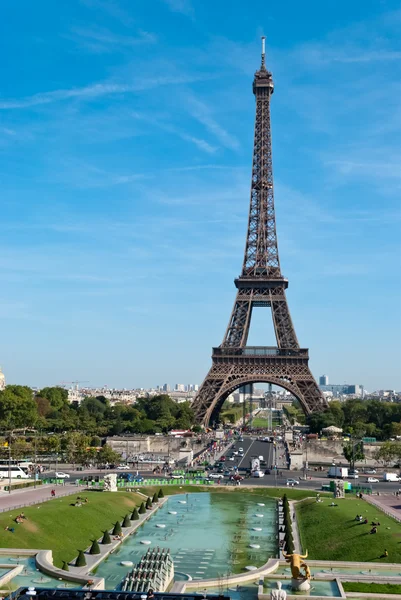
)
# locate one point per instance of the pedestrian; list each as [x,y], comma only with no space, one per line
[53,493]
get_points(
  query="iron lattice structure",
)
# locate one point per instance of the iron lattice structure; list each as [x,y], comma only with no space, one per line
[260,284]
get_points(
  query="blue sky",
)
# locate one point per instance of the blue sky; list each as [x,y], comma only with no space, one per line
[126,130]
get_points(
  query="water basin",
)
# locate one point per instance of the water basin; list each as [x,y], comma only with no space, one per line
[208,537]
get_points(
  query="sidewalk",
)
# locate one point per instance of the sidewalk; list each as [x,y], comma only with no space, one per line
[389,504]
[28,496]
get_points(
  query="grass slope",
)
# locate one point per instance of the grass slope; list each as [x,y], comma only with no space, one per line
[63,528]
[331,533]
[372,588]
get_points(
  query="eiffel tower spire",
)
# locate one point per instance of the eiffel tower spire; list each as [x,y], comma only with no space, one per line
[261,283]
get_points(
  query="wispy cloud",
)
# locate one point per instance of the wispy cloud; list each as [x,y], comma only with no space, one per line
[96,90]
[185,7]
[7,131]
[111,8]
[170,128]
[202,113]
[322,55]
[367,168]
[99,40]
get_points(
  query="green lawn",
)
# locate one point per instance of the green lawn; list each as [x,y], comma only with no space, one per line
[263,422]
[331,533]
[372,588]
[63,528]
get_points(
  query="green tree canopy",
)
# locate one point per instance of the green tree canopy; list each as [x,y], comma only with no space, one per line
[57,396]
[17,407]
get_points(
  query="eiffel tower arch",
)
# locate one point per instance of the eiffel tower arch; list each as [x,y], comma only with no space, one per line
[261,283]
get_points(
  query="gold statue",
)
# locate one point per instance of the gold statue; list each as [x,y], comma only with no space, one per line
[296,565]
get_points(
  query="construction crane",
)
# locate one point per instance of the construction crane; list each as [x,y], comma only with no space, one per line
[76,383]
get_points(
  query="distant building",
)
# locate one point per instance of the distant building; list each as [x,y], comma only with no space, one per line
[166,387]
[2,380]
[344,389]
[179,387]
[324,380]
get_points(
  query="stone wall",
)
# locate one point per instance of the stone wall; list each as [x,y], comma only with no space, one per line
[162,445]
[327,451]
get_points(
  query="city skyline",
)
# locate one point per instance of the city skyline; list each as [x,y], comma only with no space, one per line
[136,137]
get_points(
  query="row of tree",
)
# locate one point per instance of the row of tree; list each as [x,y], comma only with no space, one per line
[357,417]
[49,410]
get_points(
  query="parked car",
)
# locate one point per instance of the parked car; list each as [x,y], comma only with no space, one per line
[216,476]
[121,467]
[267,472]
[353,476]
[292,482]
[240,449]
[176,476]
[370,471]
[61,475]
[373,480]
[258,474]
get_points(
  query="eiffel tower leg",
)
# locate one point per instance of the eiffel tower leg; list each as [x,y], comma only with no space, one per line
[238,325]
[283,327]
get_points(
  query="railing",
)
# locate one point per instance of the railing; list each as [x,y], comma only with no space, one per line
[259,351]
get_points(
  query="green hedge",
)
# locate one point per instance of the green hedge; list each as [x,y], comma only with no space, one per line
[25,484]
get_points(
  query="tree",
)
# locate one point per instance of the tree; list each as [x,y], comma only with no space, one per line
[388,453]
[106,539]
[155,498]
[52,444]
[117,528]
[81,560]
[94,549]
[74,445]
[93,406]
[353,452]
[142,509]
[57,396]
[127,521]
[135,515]
[17,407]
[148,503]
[65,566]
[160,493]
[43,405]
[107,455]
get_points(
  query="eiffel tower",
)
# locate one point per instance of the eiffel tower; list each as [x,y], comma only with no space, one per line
[260,284]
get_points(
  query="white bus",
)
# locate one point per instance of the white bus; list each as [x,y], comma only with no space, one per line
[13,469]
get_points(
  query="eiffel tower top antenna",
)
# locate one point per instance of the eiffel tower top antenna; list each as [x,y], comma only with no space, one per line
[263,65]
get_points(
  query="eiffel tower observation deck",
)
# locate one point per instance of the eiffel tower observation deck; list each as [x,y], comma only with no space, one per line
[261,283]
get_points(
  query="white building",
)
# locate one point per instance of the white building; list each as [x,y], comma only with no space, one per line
[2,380]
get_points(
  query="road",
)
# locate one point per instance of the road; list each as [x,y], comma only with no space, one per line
[253,447]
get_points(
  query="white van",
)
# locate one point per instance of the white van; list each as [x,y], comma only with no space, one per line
[258,474]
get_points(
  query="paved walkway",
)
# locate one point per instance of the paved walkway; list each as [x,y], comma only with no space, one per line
[28,496]
[295,530]
[388,503]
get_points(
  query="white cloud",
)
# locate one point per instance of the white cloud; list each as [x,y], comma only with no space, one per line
[95,90]
[202,113]
[101,40]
